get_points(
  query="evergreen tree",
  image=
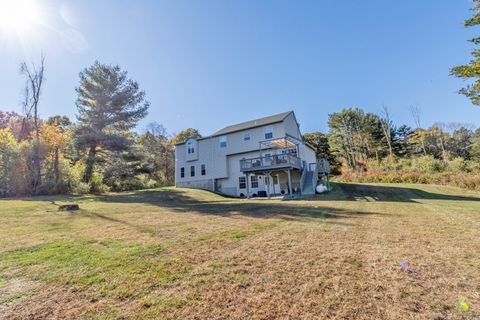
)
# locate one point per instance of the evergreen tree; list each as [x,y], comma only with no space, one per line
[471,71]
[460,143]
[319,142]
[109,104]
[402,145]
[355,137]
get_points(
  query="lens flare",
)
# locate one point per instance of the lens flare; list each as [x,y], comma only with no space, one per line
[18,15]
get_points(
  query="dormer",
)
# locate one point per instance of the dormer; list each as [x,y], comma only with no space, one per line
[191,149]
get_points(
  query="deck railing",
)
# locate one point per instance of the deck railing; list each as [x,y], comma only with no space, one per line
[273,161]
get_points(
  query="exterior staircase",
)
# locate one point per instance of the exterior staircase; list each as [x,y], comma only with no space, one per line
[308,187]
[310,178]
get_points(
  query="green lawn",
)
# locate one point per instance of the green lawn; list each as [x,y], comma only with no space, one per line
[359,252]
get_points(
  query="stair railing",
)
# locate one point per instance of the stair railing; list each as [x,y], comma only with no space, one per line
[315,175]
[304,174]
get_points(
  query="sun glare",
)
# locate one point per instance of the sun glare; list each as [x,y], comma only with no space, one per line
[18,15]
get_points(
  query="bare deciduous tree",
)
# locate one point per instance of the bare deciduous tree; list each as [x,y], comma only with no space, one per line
[387,127]
[416,114]
[34,78]
[439,129]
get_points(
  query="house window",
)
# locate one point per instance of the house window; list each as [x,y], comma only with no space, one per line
[190,147]
[254,182]
[192,171]
[204,170]
[268,132]
[242,183]
[223,141]
[246,137]
[182,172]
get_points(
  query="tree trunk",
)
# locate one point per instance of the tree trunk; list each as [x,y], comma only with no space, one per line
[423,145]
[55,166]
[390,148]
[90,162]
[37,178]
[444,153]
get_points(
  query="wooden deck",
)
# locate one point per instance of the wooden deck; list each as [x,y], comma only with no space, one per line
[270,163]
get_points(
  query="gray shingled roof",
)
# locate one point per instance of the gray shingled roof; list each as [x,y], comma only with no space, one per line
[247,125]
[253,123]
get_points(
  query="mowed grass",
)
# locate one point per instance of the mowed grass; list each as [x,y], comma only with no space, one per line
[359,252]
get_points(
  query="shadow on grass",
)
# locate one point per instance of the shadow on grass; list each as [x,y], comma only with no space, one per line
[178,200]
[206,203]
[369,192]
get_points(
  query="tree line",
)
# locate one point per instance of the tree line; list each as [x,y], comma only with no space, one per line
[360,141]
[98,152]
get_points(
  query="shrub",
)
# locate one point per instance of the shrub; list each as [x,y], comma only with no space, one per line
[457,165]
[81,188]
[427,164]
[458,179]
[473,167]
[47,188]
[97,185]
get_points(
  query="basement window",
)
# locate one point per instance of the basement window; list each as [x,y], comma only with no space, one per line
[242,184]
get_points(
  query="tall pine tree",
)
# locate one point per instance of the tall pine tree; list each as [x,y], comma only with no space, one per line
[109,104]
[471,71]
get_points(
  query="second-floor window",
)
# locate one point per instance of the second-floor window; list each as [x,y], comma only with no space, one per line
[192,171]
[190,147]
[268,133]
[242,184]
[254,182]
[182,172]
[246,137]
[204,170]
[223,141]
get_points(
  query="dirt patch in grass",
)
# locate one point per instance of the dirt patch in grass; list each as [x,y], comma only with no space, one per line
[14,289]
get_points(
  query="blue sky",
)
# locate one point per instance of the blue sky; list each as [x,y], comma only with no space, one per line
[208,64]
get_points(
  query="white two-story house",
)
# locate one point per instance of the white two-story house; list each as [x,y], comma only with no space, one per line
[262,157]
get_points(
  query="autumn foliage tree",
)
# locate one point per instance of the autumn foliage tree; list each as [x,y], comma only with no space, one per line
[56,137]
